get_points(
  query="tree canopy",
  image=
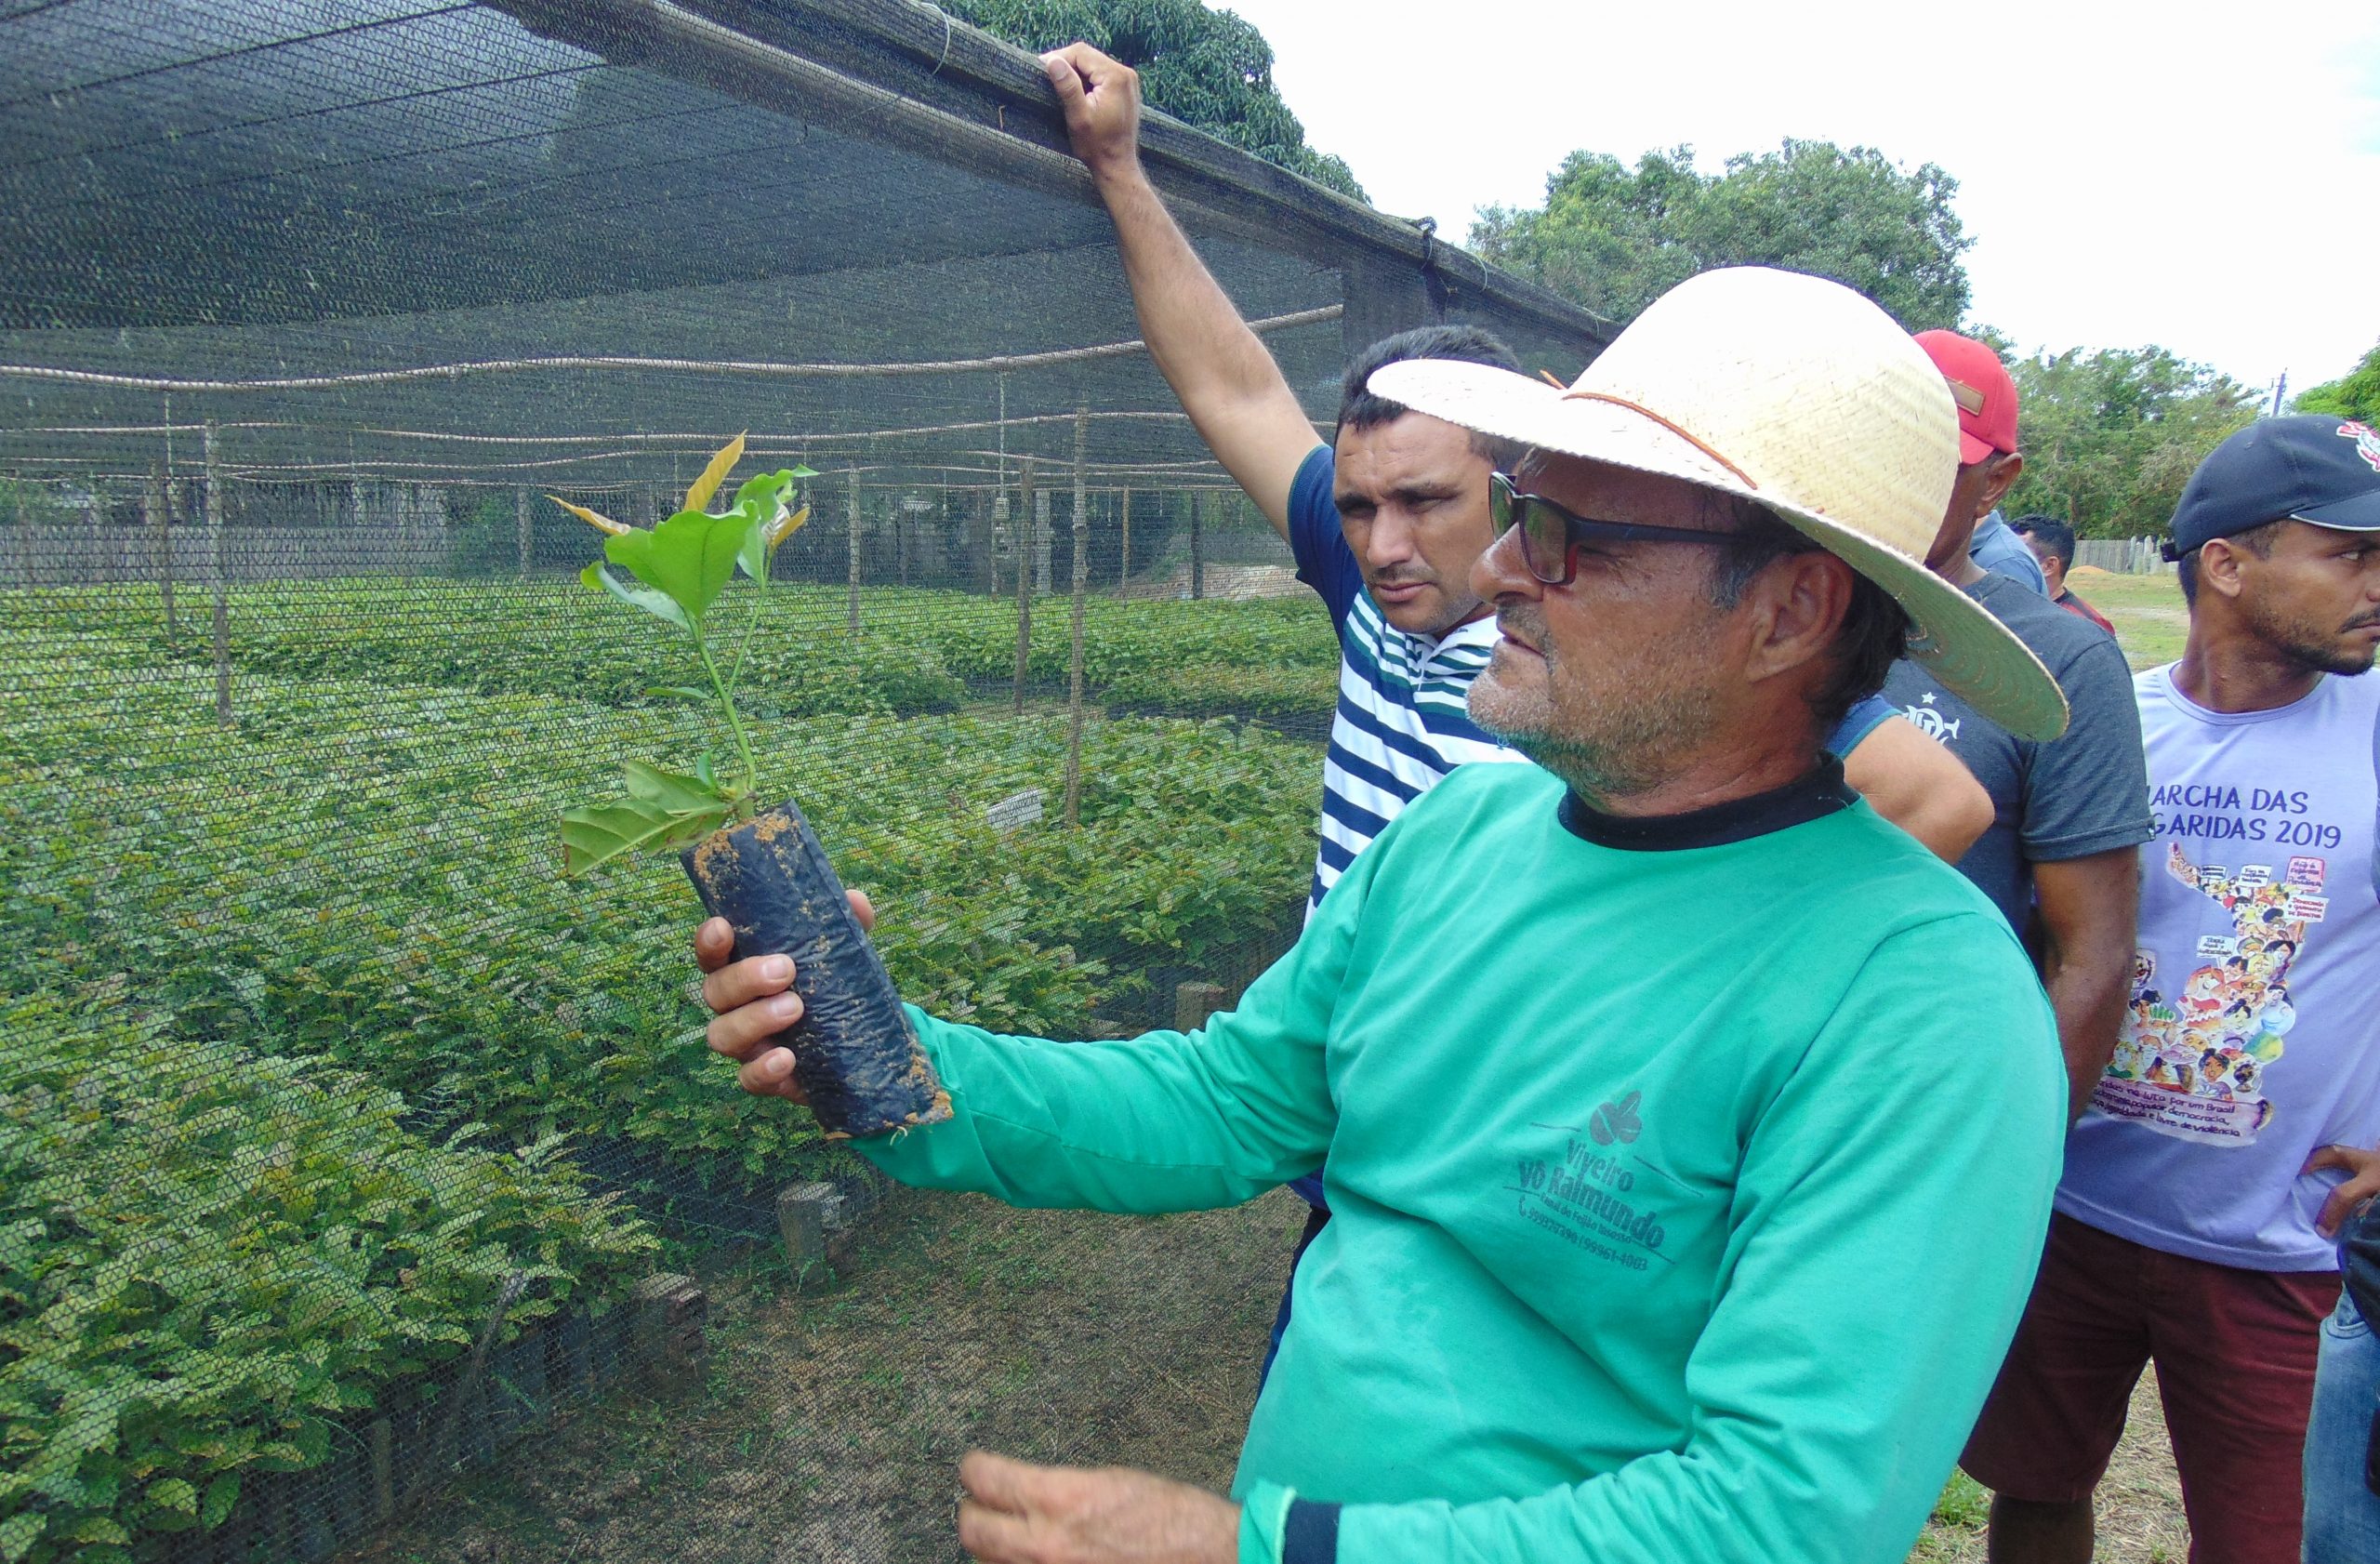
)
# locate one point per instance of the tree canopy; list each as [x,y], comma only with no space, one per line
[1615,238]
[2110,437]
[2356,395]
[1209,68]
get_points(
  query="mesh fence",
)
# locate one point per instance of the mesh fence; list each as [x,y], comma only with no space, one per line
[364,1184]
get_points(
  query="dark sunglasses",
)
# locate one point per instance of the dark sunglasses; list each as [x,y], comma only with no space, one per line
[1548,531]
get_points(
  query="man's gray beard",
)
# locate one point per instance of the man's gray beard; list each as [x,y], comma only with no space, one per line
[1603,772]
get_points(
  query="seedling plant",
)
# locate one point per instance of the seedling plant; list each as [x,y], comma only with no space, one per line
[678,573]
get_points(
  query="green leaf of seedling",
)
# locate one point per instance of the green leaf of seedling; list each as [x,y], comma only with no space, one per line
[705,773]
[765,499]
[672,790]
[653,602]
[173,1493]
[221,1494]
[18,1535]
[752,557]
[686,690]
[592,836]
[759,496]
[689,557]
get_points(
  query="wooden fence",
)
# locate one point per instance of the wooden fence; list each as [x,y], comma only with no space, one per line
[2125,556]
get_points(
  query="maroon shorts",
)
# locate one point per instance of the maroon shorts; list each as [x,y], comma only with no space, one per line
[2235,1368]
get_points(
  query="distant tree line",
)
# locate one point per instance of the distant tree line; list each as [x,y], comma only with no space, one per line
[2110,434]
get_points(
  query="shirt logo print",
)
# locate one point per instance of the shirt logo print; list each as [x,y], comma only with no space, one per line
[1617,1122]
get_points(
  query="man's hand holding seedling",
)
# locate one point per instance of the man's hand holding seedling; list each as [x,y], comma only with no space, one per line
[754,1004]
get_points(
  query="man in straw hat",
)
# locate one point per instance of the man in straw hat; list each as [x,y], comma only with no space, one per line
[1385,522]
[1690,1131]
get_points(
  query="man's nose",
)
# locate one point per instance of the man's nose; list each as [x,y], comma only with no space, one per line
[1389,538]
[1499,572]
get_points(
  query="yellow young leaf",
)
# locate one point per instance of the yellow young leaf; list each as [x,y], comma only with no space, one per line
[698,496]
[786,526]
[595,519]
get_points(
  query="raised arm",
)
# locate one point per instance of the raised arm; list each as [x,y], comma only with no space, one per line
[1236,395]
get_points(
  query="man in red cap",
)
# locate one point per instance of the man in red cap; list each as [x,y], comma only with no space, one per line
[2059,857]
[1990,463]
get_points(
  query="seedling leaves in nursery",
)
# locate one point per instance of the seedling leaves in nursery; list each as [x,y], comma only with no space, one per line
[690,557]
[595,519]
[680,569]
[698,493]
[655,603]
[594,836]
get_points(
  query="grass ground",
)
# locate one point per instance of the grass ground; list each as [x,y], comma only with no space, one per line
[834,1418]
[2147,610]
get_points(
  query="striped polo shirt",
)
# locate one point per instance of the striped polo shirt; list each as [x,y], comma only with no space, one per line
[1402,722]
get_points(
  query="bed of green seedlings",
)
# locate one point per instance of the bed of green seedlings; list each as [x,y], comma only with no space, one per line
[372,874]
[1299,694]
[917,653]
[373,1024]
[208,1257]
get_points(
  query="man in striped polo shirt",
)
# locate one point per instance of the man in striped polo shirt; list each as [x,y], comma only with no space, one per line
[1387,519]
[1364,525]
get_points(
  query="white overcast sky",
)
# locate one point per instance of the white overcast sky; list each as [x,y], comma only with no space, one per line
[2206,178]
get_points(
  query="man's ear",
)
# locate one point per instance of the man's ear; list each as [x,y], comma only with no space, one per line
[1998,481]
[2219,561]
[1800,603]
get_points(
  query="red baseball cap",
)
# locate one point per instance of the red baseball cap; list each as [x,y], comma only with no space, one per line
[1979,384]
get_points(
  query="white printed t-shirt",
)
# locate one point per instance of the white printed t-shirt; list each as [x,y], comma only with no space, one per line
[2252,1034]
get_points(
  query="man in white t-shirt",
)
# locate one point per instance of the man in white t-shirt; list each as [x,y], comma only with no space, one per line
[2235,1128]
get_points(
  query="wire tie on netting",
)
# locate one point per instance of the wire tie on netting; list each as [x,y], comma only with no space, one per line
[938,64]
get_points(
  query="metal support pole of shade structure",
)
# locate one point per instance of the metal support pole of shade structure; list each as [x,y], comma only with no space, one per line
[854,551]
[1024,581]
[1081,583]
[153,506]
[1198,549]
[523,532]
[217,573]
[1124,566]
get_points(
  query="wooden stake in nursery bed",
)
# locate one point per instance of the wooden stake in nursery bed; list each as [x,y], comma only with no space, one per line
[762,871]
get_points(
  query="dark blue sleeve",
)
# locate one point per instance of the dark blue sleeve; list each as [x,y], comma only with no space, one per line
[1857,724]
[1310,1533]
[1324,561]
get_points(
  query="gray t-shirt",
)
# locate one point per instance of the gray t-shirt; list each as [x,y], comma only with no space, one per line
[2085,792]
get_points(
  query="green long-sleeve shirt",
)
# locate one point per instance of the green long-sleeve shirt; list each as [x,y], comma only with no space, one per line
[1685,1196]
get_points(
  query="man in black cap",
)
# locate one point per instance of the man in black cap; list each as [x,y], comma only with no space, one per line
[2233,1131]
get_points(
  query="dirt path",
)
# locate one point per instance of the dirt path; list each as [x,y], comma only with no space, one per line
[834,1421]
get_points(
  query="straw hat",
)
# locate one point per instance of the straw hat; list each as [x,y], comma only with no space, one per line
[1798,394]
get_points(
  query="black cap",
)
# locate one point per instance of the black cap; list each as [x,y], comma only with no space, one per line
[2313,467]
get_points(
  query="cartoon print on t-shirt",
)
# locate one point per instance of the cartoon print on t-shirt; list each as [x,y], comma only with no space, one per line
[2194,1065]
